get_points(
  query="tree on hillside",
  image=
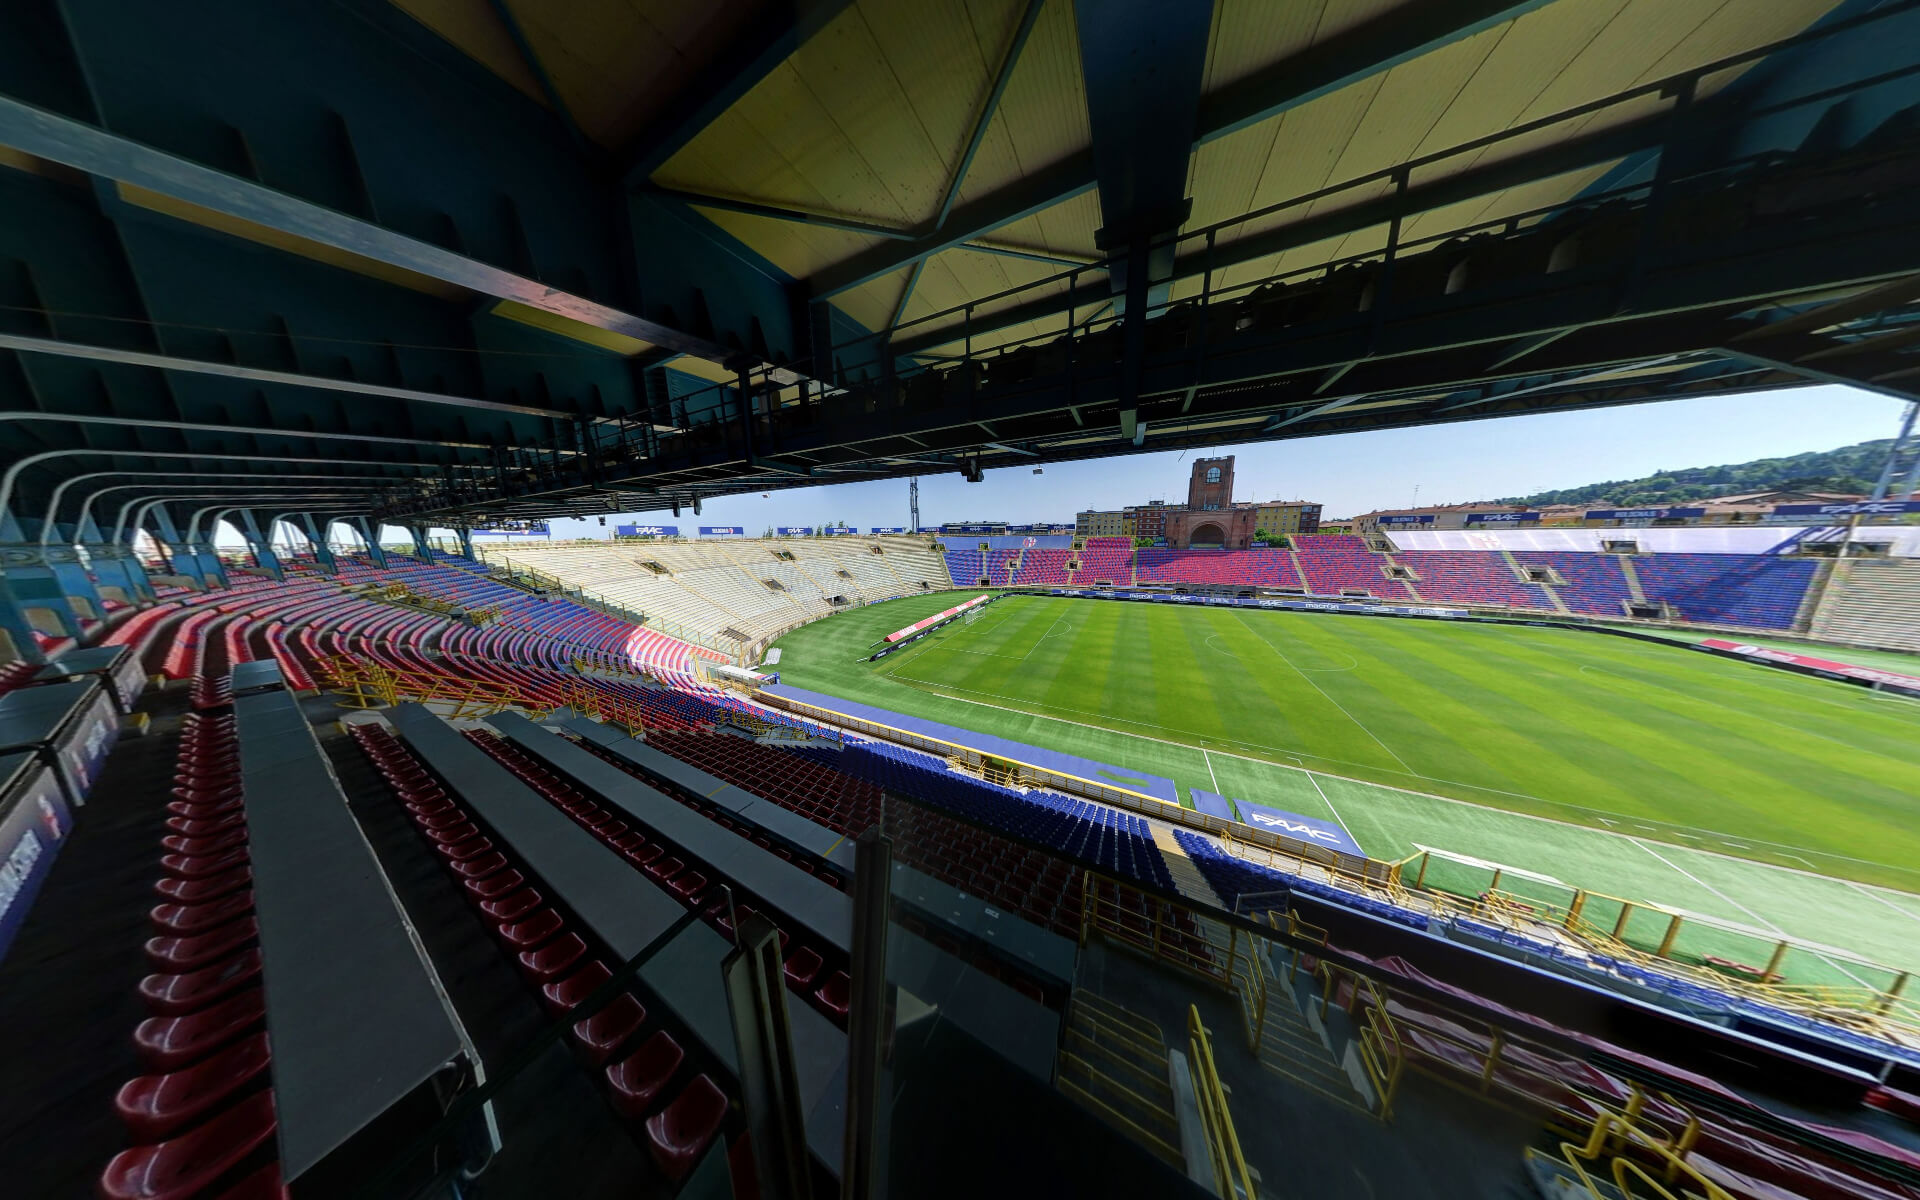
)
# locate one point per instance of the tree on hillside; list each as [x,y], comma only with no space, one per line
[1848,469]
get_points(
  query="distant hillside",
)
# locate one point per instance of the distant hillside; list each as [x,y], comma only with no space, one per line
[1848,469]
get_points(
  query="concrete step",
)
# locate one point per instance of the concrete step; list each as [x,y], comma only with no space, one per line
[1186,877]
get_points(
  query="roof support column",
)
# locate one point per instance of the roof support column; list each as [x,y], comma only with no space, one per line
[371,532]
[422,548]
[261,544]
[317,538]
[182,558]
[466,543]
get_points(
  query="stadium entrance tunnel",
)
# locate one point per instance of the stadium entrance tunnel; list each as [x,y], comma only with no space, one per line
[1208,537]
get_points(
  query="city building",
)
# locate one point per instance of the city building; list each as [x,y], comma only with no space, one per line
[1099,523]
[1150,519]
[1282,517]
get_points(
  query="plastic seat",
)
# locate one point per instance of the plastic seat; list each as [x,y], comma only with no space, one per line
[644,856]
[513,906]
[836,994]
[638,1079]
[193,828]
[199,891]
[688,885]
[607,1030]
[154,1106]
[677,1135]
[465,851]
[198,918]
[454,833]
[189,991]
[562,995]
[189,867]
[169,1043]
[481,867]
[532,931]
[553,959]
[199,847]
[187,1165]
[803,967]
[493,886]
[192,952]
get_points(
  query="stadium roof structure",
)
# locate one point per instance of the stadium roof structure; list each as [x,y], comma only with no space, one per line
[454,261]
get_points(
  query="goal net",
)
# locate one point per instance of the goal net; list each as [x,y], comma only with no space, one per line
[972,615]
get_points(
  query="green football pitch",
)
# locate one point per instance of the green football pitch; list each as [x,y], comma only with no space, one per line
[1761,799]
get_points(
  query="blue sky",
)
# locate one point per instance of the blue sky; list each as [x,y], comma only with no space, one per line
[1353,473]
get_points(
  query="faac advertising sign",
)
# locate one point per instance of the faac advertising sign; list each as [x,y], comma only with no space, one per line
[1864,508]
[646,531]
[1501,518]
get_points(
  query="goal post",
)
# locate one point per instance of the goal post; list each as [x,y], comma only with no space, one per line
[971,615]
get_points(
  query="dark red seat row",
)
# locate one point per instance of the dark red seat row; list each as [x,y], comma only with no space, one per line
[559,962]
[202,1121]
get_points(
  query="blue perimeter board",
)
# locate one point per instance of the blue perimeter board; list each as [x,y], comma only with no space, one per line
[1086,768]
[1211,803]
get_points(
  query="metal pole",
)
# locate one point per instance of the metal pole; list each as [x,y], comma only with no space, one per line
[1893,453]
[867,1017]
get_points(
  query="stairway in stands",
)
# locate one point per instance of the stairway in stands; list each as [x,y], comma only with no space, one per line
[1186,877]
[1520,572]
[1633,579]
[1115,1063]
[1298,1045]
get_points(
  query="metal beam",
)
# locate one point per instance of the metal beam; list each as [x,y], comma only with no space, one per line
[249,430]
[768,40]
[166,362]
[984,117]
[109,156]
[503,10]
[1343,60]
[775,212]
[1346,58]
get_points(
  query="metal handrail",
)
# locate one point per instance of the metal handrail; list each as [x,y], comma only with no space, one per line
[1231,1176]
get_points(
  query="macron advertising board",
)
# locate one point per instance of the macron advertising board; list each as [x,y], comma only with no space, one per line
[888,529]
[1407,519]
[1643,514]
[722,531]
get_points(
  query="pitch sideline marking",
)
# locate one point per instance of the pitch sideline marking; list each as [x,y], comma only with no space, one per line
[1210,774]
[1325,799]
[1869,894]
[1743,908]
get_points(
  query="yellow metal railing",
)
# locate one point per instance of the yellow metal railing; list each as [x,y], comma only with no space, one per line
[1622,1149]
[1230,1173]
[1110,1049]
[1166,931]
[1375,1036]
[371,685]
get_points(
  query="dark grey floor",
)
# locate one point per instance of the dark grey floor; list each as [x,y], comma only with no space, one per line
[1440,1144]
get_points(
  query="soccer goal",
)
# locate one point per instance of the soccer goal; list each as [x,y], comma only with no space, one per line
[971,615]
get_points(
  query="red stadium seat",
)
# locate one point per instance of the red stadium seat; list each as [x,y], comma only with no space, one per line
[169,1043]
[802,968]
[677,1135]
[154,1106]
[188,1165]
[836,994]
[198,918]
[638,1079]
[489,886]
[480,868]
[553,959]
[534,930]
[190,991]
[607,1030]
[562,994]
[198,846]
[512,906]
[188,867]
[199,950]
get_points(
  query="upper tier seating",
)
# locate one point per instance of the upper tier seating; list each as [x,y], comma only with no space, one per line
[966,567]
[715,590]
[1332,563]
[1105,560]
[1595,583]
[1875,602]
[1043,568]
[1270,568]
[1757,592]
[1470,577]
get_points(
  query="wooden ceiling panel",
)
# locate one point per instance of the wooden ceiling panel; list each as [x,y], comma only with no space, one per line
[1042,116]
[797,249]
[477,31]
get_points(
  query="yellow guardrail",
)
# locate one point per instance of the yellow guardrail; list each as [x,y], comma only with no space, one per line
[1375,1035]
[1231,1177]
[1624,1149]
[1160,932]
